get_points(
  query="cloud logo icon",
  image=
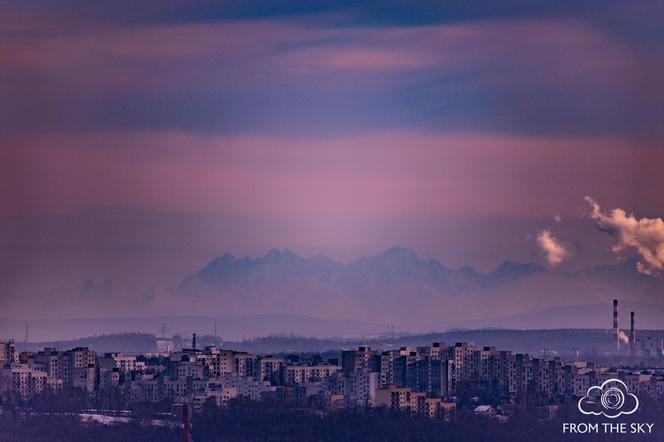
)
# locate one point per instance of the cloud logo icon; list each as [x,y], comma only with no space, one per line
[611,399]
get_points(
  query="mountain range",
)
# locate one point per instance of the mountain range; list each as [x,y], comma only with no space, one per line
[397,290]
[399,287]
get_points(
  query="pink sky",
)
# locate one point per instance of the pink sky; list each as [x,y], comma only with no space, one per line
[147,148]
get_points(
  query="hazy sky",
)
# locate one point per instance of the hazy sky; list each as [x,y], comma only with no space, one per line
[142,139]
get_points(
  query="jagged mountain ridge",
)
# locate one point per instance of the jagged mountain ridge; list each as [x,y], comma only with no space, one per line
[398,286]
[396,267]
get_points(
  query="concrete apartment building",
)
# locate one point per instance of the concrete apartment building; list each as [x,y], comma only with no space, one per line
[34,373]
[26,380]
[303,373]
[8,354]
[422,380]
[361,360]
[405,400]
[270,369]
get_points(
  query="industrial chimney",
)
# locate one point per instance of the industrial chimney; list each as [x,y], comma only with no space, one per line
[616,330]
[632,334]
[185,422]
[193,341]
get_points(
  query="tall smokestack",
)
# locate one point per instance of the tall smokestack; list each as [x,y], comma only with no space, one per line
[186,423]
[193,341]
[632,334]
[616,330]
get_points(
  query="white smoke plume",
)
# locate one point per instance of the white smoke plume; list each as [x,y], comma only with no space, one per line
[644,236]
[553,249]
[623,337]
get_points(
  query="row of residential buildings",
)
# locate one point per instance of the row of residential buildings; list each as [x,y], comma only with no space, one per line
[423,380]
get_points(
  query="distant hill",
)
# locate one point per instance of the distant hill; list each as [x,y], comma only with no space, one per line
[553,341]
[130,343]
[228,327]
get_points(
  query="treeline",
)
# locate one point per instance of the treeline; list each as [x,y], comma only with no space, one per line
[589,342]
[552,342]
[115,342]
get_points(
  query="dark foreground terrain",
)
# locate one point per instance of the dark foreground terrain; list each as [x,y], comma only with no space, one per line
[254,421]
